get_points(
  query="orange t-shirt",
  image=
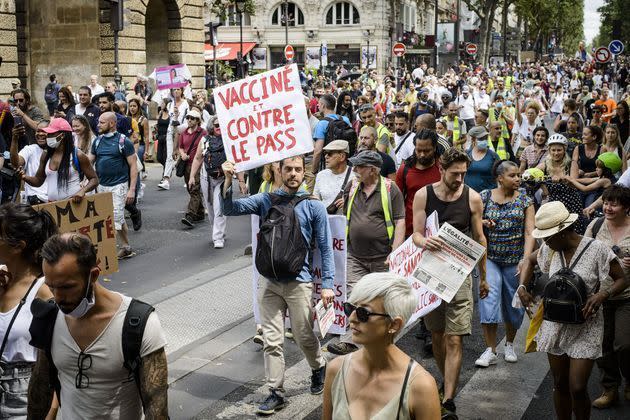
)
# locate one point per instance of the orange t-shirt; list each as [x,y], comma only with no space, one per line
[608,107]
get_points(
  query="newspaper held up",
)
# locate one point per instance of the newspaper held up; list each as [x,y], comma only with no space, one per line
[444,271]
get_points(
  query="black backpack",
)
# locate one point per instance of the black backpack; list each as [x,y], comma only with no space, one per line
[338,129]
[214,156]
[565,294]
[281,248]
[43,325]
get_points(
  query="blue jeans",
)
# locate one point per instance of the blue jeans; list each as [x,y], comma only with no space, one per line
[497,306]
[141,150]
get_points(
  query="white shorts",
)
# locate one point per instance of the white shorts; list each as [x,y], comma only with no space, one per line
[119,196]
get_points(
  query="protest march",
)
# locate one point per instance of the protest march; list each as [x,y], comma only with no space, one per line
[318,238]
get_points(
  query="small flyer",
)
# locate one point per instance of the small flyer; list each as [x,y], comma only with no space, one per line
[325,317]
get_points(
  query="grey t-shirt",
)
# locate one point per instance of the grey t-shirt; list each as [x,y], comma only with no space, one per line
[367,236]
[110,395]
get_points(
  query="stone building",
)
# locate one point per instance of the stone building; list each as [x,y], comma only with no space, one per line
[73,39]
[345,27]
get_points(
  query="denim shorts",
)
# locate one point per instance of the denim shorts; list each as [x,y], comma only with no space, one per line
[497,306]
[14,390]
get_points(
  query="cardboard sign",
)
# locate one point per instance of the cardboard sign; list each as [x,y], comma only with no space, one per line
[94,217]
[171,77]
[263,118]
[338,233]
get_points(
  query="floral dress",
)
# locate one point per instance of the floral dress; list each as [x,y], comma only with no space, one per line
[578,341]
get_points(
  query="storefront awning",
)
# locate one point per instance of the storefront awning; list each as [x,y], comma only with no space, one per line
[227,50]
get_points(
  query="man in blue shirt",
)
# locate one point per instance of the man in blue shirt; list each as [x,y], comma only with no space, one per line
[327,105]
[294,294]
[114,158]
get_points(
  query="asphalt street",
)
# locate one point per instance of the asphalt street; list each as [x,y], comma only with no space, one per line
[203,297]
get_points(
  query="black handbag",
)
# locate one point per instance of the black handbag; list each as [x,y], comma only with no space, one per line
[565,294]
[180,166]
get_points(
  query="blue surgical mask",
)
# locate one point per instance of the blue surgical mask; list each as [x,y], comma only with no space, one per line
[499,105]
[482,144]
[508,103]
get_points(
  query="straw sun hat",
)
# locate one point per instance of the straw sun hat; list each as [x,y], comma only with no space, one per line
[552,218]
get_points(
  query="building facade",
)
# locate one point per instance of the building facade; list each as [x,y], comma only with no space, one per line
[73,39]
[343,28]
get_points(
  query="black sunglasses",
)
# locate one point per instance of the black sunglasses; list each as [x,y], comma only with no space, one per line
[363,314]
[84,362]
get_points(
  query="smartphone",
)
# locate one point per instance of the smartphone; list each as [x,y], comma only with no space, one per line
[17,121]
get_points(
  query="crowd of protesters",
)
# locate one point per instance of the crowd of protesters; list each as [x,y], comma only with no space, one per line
[529,160]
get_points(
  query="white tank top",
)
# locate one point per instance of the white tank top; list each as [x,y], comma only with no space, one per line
[18,348]
[55,193]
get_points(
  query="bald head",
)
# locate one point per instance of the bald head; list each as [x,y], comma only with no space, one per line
[425,121]
[107,123]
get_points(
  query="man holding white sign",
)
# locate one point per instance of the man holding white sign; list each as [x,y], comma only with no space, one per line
[461,208]
[278,290]
[263,118]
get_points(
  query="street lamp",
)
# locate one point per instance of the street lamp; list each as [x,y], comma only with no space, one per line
[367,34]
[240,8]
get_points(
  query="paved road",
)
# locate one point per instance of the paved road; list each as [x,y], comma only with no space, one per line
[203,298]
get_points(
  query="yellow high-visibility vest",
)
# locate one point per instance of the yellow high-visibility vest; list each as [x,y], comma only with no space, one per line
[504,130]
[385,188]
[501,149]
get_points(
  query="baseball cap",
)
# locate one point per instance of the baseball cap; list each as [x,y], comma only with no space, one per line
[477,132]
[465,89]
[56,125]
[15,82]
[367,157]
[337,146]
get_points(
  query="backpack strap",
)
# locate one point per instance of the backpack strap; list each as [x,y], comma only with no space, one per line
[575,261]
[404,179]
[75,161]
[403,142]
[597,226]
[135,322]
[41,330]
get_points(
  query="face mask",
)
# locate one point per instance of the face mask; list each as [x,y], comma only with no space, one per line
[482,144]
[508,103]
[499,105]
[53,142]
[84,306]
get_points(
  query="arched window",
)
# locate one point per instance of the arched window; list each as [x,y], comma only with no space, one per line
[342,13]
[294,13]
[232,16]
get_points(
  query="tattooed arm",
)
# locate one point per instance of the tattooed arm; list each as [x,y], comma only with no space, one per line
[40,392]
[154,385]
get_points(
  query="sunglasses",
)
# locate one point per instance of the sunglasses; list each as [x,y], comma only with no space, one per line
[363,314]
[217,126]
[191,118]
[84,362]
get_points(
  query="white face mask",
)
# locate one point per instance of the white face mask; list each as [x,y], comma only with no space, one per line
[84,306]
[53,142]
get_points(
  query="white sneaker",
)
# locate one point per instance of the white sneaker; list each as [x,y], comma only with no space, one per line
[164,185]
[510,354]
[218,244]
[487,358]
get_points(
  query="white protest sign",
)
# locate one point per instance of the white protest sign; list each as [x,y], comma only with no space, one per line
[263,118]
[403,262]
[338,235]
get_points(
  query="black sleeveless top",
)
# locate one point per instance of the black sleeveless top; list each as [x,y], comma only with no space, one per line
[586,163]
[162,127]
[457,213]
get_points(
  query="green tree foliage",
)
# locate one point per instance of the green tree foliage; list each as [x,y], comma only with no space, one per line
[219,7]
[614,13]
[565,18]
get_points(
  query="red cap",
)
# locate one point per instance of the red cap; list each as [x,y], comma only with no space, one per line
[56,125]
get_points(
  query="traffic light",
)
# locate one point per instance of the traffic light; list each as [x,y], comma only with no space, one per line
[116,15]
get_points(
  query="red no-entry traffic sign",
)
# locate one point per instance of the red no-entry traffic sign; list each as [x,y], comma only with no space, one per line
[399,49]
[471,49]
[289,52]
[602,55]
